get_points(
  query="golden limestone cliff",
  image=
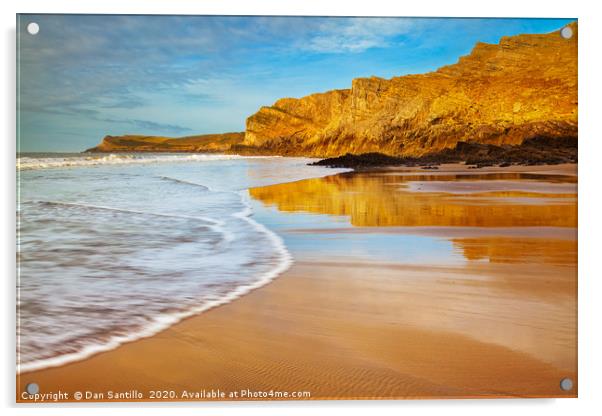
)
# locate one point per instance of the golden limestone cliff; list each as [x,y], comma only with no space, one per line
[523,87]
[138,143]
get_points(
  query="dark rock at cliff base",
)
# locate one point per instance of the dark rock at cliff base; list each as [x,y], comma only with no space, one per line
[364,160]
[533,151]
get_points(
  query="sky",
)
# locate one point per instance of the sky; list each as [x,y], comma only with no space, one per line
[82,77]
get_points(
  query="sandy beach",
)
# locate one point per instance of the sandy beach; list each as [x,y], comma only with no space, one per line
[486,306]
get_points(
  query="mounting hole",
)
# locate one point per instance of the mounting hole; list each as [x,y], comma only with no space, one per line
[566,384]
[33,28]
[566,32]
[32,388]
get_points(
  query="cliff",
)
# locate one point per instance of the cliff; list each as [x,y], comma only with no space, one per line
[201,143]
[521,88]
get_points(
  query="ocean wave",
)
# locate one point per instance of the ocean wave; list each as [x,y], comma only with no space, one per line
[160,322]
[33,163]
[215,225]
[183,182]
[105,263]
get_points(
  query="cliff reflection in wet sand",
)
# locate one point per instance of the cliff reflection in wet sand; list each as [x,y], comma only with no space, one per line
[491,256]
[523,203]
[381,199]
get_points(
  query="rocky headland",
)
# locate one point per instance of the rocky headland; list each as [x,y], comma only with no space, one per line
[137,143]
[511,102]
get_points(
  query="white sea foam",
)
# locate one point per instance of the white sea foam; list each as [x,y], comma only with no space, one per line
[162,322]
[215,225]
[108,259]
[29,163]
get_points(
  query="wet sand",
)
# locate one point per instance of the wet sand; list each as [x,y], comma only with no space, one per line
[498,322]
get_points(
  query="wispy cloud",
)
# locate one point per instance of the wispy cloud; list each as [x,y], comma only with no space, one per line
[149,125]
[356,34]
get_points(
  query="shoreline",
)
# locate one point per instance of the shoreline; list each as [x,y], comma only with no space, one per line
[162,323]
[235,323]
[250,344]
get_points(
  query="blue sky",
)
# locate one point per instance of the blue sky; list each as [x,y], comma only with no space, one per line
[85,76]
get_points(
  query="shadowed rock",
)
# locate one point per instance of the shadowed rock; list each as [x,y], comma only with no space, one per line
[533,151]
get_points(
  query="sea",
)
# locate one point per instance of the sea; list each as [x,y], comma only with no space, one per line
[116,247]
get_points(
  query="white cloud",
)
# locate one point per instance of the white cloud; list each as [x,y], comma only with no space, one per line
[355,34]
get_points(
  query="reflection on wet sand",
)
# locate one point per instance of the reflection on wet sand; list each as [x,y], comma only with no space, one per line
[518,250]
[515,288]
[509,200]
[388,200]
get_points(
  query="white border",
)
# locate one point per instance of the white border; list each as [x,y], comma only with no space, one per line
[590,177]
